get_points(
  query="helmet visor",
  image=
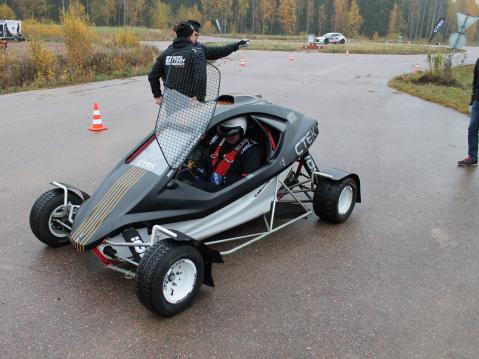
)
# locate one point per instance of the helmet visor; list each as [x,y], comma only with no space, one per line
[229,131]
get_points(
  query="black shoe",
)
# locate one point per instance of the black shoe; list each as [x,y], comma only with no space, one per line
[468,161]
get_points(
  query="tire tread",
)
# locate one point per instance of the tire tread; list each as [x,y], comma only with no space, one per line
[145,272]
[36,215]
[326,197]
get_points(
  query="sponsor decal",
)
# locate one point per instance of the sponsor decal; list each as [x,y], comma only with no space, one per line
[146,165]
[310,163]
[249,145]
[261,189]
[438,27]
[291,117]
[216,179]
[139,250]
[175,61]
[306,141]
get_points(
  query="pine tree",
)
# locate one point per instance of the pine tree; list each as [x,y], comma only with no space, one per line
[323,19]
[287,15]
[240,10]
[354,20]
[394,21]
[266,11]
[6,12]
[161,15]
[340,15]
[186,13]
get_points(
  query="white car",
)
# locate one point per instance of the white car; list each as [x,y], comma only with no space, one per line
[331,37]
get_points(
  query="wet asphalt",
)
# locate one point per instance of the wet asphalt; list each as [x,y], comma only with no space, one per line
[399,279]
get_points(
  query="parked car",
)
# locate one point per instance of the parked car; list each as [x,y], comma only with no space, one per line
[331,37]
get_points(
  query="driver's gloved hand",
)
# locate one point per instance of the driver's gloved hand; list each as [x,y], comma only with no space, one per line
[242,43]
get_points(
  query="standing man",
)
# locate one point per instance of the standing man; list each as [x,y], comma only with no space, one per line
[187,34]
[472,139]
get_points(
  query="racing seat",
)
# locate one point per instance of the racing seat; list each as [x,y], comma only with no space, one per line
[265,137]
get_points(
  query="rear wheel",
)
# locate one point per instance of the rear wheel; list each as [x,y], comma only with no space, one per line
[49,213]
[343,41]
[169,277]
[334,201]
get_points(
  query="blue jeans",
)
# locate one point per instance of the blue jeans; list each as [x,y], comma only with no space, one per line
[473,130]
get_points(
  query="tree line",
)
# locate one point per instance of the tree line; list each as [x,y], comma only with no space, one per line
[410,19]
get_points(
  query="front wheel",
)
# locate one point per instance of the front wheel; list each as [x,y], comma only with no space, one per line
[343,41]
[334,201]
[169,277]
[49,217]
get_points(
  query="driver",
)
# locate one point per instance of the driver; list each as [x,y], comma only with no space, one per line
[229,157]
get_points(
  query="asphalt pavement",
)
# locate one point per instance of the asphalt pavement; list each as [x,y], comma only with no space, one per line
[399,279]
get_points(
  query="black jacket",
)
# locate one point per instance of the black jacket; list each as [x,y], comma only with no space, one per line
[182,55]
[475,84]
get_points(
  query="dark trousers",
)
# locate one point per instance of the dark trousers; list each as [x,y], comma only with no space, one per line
[473,130]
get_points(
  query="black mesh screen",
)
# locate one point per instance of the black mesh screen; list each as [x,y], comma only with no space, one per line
[189,102]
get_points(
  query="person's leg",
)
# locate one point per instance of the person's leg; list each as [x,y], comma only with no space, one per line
[473,131]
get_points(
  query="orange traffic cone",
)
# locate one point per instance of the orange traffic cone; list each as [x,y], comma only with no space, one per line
[290,56]
[347,52]
[97,123]
[416,68]
[242,62]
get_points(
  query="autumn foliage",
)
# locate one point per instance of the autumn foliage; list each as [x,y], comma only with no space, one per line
[82,60]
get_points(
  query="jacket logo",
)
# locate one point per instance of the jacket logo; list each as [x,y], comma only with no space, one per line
[175,61]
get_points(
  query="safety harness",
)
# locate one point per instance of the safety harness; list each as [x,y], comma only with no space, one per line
[221,167]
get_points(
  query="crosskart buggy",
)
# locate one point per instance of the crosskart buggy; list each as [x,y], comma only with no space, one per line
[146,224]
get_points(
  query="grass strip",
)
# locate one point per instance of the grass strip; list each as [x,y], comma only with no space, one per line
[456,98]
[359,48]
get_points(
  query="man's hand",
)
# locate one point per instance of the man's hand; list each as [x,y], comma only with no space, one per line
[194,101]
[159,100]
[242,43]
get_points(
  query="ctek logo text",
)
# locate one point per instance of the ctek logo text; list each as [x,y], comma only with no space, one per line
[175,61]
[306,141]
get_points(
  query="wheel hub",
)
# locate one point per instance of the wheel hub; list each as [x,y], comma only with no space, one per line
[179,281]
[345,200]
[59,214]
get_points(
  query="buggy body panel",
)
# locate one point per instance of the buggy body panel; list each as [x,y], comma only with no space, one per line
[136,193]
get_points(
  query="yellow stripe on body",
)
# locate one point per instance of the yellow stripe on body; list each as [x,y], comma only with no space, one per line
[100,204]
[107,203]
[89,231]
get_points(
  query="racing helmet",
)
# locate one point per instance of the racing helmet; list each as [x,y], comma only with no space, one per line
[232,127]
